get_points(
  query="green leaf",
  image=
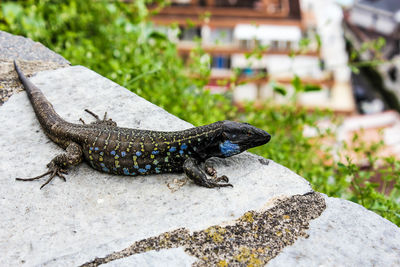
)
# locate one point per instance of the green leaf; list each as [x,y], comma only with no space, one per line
[341,165]
[312,87]
[297,84]
[279,89]
[354,69]
[158,35]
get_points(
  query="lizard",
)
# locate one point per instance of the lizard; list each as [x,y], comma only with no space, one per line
[125,151]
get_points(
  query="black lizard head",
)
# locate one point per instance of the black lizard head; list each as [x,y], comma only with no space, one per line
[236,137]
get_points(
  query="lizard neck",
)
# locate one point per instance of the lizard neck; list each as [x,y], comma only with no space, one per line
[199,139]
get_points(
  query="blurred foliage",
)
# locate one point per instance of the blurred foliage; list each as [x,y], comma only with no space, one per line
[117,41]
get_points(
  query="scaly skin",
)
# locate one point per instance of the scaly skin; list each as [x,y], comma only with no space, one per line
[125,151]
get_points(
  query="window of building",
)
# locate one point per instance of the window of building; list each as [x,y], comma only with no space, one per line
[180,2]
[221,62]
[274,45]
[236,3]
[222,36]
[189,34]
[247,44]
[393,74]
[251,72]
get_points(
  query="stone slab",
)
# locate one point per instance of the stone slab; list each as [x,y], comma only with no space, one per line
[21,48]
[35,56]
[167,258]
[94,214]
[346,234]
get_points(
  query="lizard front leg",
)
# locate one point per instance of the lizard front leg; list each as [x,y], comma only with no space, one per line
[194,172]
[59,164]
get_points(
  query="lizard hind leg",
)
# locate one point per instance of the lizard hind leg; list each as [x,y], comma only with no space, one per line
[104,121]
[59,164]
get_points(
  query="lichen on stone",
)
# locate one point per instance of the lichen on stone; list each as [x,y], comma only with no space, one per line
[251,240]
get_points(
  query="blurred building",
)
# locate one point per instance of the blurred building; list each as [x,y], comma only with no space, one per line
[369,20]
[291,37]
[378,18]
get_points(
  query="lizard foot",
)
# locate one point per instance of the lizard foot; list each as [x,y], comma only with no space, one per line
[54,171]
[213,173]
[104,121]
[199,176]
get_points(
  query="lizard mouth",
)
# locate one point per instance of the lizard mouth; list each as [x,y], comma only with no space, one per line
[261,138]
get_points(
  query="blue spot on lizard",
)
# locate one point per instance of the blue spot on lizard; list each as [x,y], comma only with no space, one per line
[228,149]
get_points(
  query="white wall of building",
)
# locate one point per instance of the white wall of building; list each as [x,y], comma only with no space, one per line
[381,22]
[244,92]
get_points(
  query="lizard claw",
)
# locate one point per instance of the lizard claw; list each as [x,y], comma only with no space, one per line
[212,184]
[222,178]
[54,171]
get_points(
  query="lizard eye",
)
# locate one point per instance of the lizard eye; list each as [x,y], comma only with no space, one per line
[246,132]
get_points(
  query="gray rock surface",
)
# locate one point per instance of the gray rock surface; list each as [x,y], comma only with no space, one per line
[346,234]
[166,258]
[21,48]
[35,56]
[94,214]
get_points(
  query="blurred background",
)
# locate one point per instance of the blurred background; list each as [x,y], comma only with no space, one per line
[268,43]
[321,76]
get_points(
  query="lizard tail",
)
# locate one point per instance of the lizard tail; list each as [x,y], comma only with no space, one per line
[28,85]
[43,108]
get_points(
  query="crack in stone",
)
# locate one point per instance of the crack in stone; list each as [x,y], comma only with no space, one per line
[253,239]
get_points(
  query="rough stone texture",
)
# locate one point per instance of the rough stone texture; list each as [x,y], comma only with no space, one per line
[94,214]
[251,240]
[167,258]
[21,48]
[346,234]
[33,55]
